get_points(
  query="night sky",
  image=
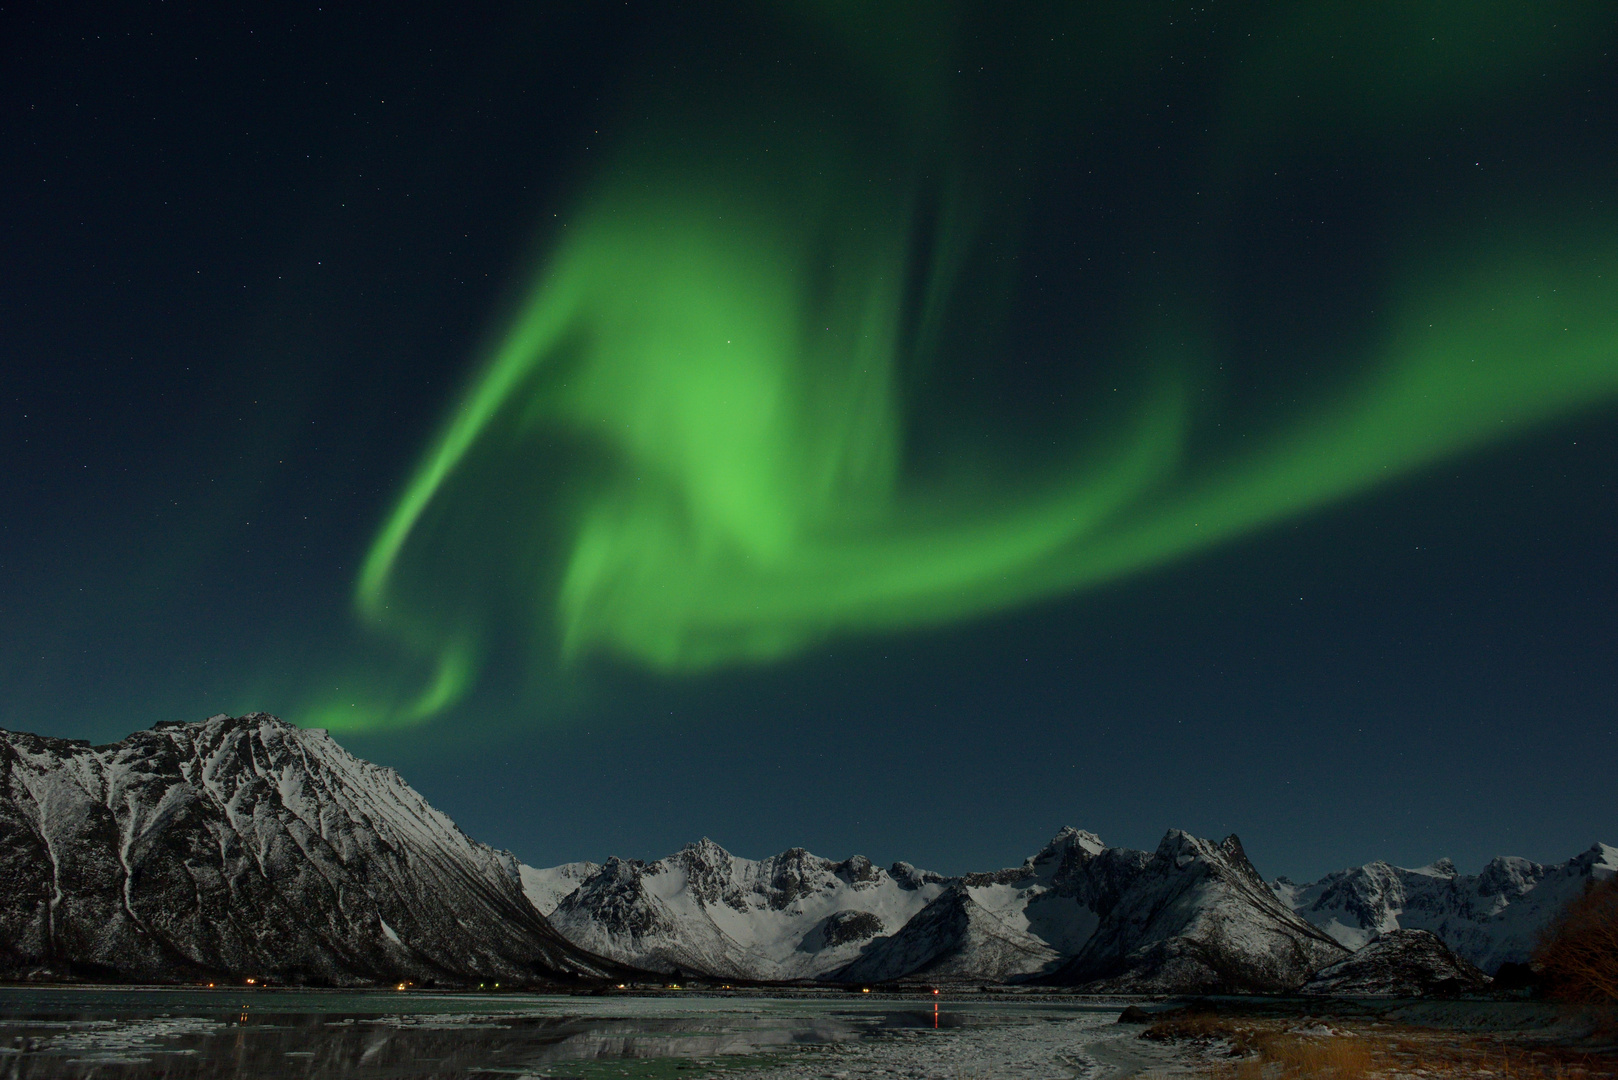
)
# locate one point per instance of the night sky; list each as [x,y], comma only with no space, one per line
[901,429]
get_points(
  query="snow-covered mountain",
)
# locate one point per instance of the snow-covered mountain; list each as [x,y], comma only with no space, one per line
[1198,918]
[1011,923]
[247,846]
[1191,916]
[1399,963]
[704,911]
[1488,918]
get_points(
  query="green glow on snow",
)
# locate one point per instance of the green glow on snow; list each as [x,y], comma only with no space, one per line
[748,410]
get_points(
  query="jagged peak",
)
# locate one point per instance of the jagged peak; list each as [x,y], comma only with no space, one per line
[798,855]
[1181,847]
[706,848]
[619,870]
[858,869]
[911,878]
[1601,859]
[1068,838]
[222,721]
[1236,857]
[1444,868]
[1509,875]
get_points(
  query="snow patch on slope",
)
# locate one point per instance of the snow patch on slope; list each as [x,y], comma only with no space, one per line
[546,889]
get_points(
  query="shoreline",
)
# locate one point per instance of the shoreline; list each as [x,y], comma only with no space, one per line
[1028,1035]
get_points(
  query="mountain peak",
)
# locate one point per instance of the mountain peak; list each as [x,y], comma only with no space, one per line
[1602,859]
[246,845]
[909,877]
[1444,867]
[706,850]
[1083,839]
[1181,848]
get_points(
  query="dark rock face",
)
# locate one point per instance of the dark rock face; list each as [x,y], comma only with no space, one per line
[1399,963]
[247,846]
[845,926]
[797,873]
[1007,924]
[911,878]
[1080,867]
[952,938]
[614,911]
[614,892]
[858,870]
[707,868]
[1198,919]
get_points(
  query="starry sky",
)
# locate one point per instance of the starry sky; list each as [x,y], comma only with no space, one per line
[902,430]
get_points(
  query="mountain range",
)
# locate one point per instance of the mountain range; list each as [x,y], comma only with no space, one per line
[1191,917]
[1490,918]
[247,846]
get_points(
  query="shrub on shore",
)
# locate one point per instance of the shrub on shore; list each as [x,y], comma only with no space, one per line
[1578,953]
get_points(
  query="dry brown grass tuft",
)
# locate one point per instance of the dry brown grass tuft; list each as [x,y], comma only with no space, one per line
[1243,1048]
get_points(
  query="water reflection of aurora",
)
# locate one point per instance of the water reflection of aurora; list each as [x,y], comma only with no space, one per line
[696,443]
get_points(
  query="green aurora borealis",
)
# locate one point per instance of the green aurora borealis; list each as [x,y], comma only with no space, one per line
[693,445]
[899,428]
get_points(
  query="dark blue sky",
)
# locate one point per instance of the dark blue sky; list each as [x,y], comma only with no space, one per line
[252,256]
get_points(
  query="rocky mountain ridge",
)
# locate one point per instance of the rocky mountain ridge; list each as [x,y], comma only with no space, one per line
[1399,963]
[1489,918]
[705,911]
[1193,916]
[1198,918]
[249,847]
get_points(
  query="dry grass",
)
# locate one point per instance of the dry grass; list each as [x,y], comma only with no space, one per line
[1252,1048]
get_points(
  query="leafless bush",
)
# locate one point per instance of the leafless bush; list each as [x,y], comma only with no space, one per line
[1578,953]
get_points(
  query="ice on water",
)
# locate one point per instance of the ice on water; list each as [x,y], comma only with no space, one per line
[81,1033]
